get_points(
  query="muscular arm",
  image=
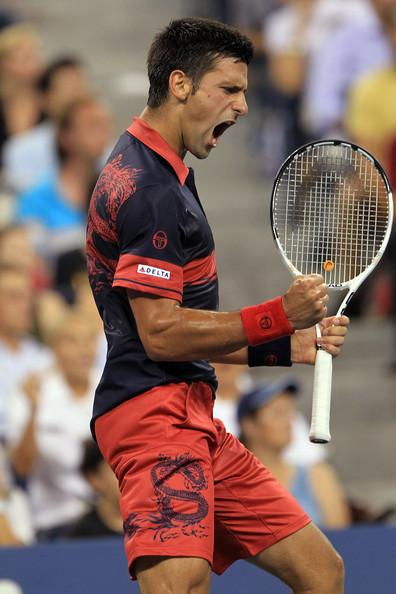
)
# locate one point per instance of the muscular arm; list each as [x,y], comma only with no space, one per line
[173,333]
[170,332]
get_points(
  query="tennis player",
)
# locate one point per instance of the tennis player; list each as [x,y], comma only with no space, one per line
[192,497]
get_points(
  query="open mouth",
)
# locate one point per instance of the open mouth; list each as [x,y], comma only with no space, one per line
[220,129]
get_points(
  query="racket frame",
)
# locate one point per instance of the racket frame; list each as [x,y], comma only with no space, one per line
[320,432]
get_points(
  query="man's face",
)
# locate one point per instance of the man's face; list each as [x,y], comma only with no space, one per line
[214,107]
[271,427]
[68,84]
[90,132]
[75,348]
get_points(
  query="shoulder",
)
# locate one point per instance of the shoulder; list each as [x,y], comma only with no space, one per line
[323,475]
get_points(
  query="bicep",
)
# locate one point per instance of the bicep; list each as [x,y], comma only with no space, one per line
[151,312]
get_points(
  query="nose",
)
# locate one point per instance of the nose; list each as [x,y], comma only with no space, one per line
[240,106]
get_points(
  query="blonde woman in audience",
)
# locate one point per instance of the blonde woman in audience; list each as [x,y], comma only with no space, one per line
[20,67]
[48,423]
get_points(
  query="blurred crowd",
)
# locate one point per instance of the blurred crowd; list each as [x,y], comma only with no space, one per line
[323,68]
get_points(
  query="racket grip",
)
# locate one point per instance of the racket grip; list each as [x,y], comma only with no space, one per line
[320,423]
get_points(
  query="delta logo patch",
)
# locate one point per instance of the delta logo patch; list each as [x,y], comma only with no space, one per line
[152,271]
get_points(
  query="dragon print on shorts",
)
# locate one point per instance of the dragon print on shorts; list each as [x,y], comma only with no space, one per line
[167,476]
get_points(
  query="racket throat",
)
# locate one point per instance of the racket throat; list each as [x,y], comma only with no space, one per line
[345,303]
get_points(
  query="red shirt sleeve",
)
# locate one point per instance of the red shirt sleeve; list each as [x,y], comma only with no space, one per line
[150,234]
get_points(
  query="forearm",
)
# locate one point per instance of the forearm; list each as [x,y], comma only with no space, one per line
[197,334]
[7,537]
[173,333]
[239,357]
[24,455]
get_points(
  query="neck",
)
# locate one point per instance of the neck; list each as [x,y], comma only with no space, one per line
[75,177]
[270,458]
[228,394]
[165,121]
[11,341]
[78,167]
[109,513]
[79,386]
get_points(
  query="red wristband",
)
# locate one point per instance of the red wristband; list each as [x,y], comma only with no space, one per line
[266,321]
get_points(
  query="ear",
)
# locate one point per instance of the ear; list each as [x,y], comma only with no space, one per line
[180,85]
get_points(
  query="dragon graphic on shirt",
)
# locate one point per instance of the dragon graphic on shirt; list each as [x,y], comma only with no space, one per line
[115,185]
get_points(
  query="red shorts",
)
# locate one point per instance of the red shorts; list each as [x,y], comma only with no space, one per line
[189,488]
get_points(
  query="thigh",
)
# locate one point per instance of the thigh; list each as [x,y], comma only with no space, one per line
[252,510]
[157,575]
[161,459]
[305,560]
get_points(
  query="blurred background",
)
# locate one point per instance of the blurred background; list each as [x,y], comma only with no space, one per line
[72,75]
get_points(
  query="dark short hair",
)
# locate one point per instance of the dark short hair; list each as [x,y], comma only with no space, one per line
[62,63]
[66,120]
[192,45]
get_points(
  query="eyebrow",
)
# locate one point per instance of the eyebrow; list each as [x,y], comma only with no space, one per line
[232,87]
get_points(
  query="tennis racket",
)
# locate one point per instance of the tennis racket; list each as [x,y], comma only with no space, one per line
[331,214]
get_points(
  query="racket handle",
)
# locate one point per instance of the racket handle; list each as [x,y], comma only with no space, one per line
[320,423]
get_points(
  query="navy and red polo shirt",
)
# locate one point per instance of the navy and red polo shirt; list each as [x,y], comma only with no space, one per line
[147,232]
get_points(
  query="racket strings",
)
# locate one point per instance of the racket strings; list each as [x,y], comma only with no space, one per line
[331,212]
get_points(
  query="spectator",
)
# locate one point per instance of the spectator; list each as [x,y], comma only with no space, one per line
[249,16]
[16,251]
[292,35]
[29,156]
[56,207]
[265,415]
[48,423]
[20,68]
[371,115]
[338,63]
[104,517]
[234,380]
[71,287]
[20,354]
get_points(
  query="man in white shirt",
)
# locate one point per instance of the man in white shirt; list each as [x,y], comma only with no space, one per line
[49,422]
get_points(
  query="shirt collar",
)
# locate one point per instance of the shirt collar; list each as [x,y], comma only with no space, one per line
[151,138]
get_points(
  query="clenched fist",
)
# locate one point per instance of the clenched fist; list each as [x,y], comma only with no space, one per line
[305,301]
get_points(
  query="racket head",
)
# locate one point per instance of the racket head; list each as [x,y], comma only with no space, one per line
[332,212]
